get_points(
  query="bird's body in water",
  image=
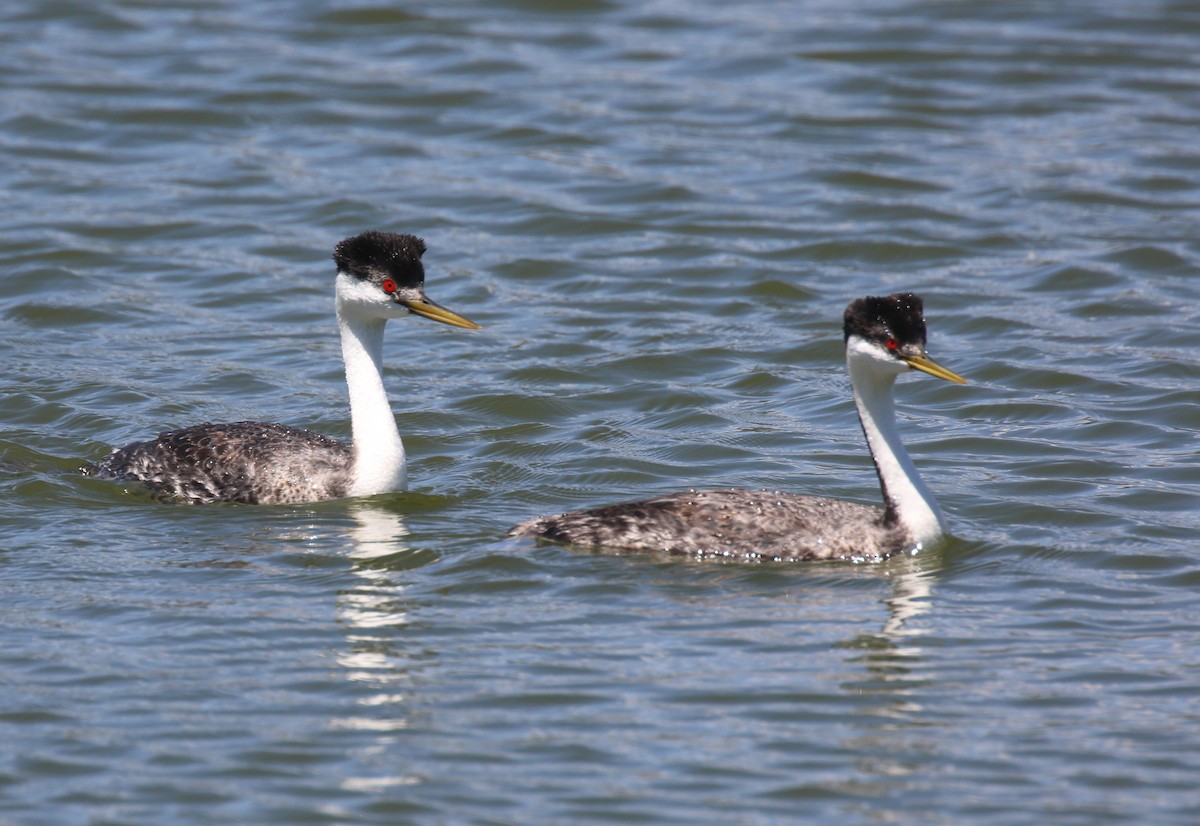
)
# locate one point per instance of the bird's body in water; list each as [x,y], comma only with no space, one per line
[885,336]
[379,277]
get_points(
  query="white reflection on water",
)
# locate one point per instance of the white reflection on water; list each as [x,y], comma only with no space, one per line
[376,532]
[372,612]
[896,673]
[912,590]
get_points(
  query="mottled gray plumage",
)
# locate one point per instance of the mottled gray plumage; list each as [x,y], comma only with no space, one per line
[885,336]
[258,463]
[379,277]
[741,524]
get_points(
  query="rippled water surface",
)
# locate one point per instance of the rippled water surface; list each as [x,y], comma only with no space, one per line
[658,211]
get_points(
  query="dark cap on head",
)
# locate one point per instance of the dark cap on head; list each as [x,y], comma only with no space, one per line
[376,255]
[900,316]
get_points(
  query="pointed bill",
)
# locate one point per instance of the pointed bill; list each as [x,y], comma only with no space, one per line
[428,309]
[928,365]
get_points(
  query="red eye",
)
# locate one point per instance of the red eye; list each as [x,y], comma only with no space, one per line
[892,344]
[389,286]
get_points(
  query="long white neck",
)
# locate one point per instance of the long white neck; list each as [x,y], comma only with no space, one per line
[905,496]
[379,461]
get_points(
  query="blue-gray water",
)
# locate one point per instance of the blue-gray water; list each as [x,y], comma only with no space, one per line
[658,211]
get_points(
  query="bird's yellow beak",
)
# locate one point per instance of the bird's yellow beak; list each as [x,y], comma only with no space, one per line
[928,365]
[428,309]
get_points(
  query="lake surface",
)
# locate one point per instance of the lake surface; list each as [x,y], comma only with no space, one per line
[658,211]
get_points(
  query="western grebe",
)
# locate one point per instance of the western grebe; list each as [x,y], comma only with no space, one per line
[885,336]
[379,277]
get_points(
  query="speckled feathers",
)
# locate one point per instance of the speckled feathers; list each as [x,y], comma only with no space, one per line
[249,462]
[744,525]
[380,277]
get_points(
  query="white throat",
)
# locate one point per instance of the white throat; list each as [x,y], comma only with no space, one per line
[379,460]
[904,492]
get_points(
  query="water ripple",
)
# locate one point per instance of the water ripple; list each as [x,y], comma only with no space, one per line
[658,214]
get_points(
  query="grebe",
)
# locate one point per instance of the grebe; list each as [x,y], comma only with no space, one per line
[885,336]
[379,277]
